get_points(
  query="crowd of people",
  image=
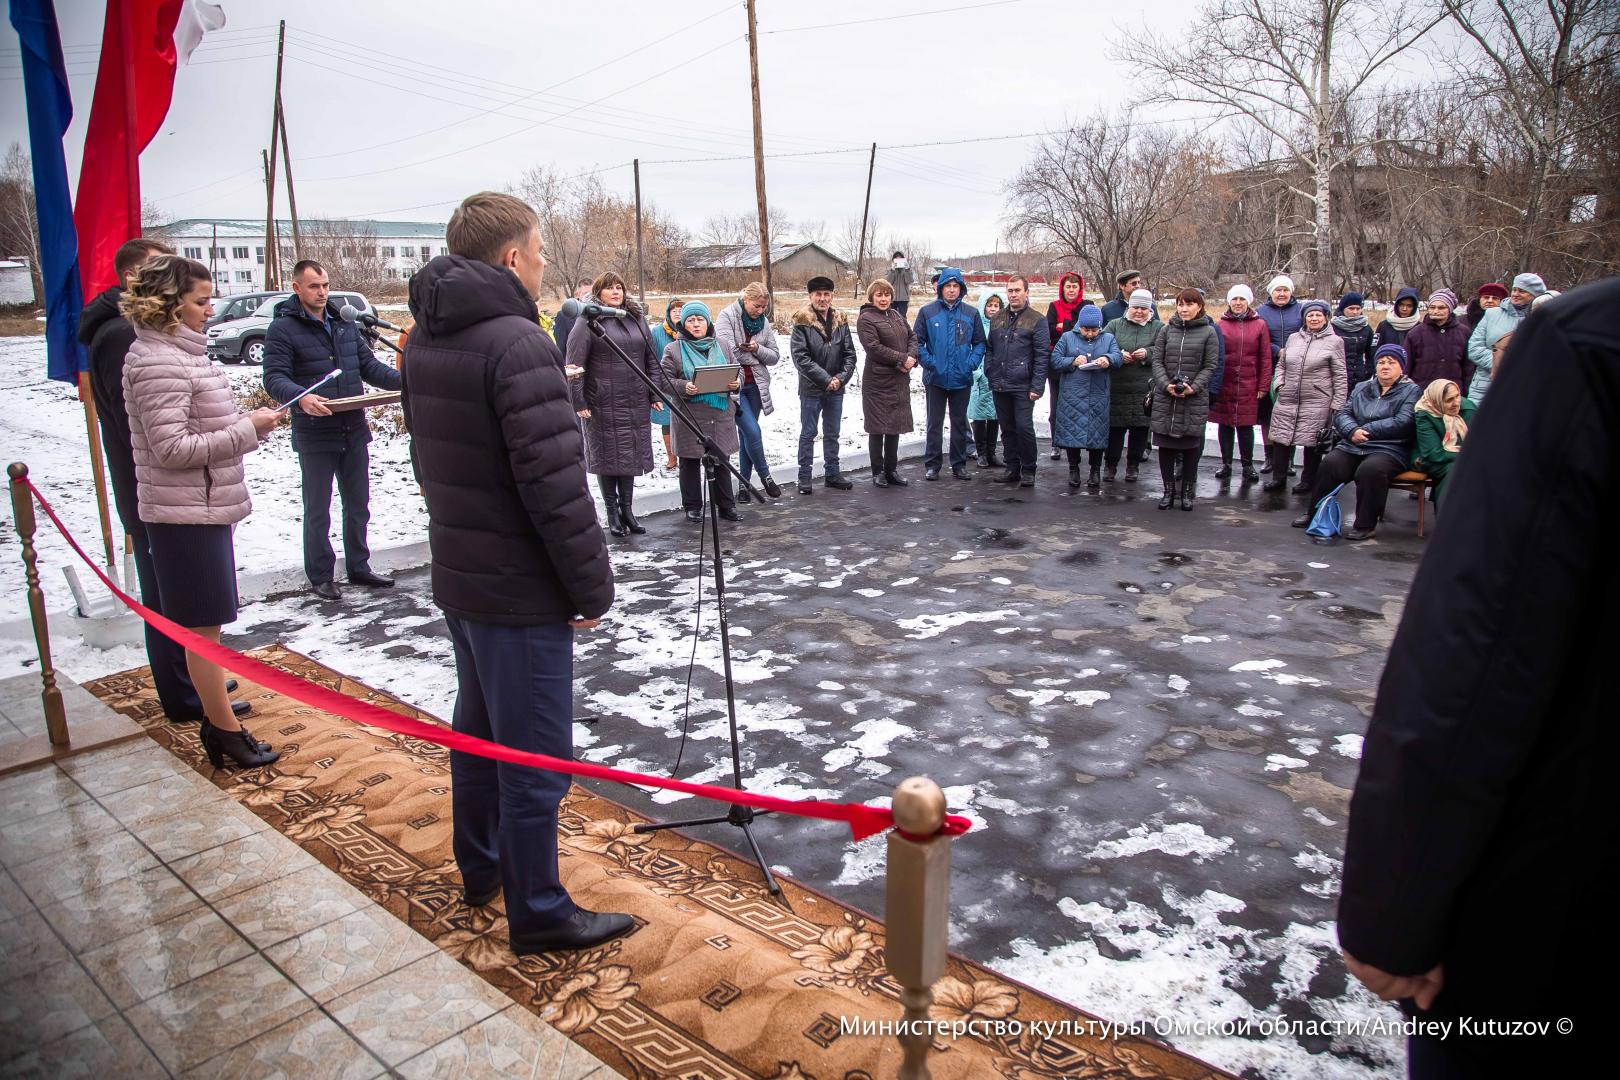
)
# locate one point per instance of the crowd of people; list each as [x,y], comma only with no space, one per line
[1362,403]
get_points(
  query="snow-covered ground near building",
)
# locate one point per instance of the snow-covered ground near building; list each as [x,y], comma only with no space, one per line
[43,425]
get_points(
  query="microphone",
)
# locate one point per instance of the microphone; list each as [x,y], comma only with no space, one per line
[352,314]
[590,309]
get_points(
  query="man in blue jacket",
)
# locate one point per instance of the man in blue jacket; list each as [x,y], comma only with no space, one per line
[950,347]
[306,341]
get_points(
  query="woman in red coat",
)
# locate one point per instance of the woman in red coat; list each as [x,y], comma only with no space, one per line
[1248,379]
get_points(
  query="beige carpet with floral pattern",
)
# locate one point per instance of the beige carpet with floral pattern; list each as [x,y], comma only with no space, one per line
[717,980]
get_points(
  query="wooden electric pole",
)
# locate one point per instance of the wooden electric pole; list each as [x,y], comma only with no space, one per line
[641,272]
[759,154]
[272,242]
[292,197]
[270,282]
[860,254]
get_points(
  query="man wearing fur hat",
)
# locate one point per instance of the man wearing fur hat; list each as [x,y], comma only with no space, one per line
[824,354]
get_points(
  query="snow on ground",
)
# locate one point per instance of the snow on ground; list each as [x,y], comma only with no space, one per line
[43,426]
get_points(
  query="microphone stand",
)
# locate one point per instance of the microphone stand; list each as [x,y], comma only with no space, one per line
[740,817]
[373,337]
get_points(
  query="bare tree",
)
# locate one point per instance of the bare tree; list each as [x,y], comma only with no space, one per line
[350,253]
[1291,67]
[1538,61]
[19,217]
[1109,195]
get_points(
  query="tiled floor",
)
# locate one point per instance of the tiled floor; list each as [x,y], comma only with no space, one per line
[151,927]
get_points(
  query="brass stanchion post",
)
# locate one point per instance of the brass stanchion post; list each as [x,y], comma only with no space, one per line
[917,908]
[22,511]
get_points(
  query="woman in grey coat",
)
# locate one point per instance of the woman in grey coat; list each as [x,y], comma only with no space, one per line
[1184,357]
[612,402]
[1311,385]
[748,339]
[713,413]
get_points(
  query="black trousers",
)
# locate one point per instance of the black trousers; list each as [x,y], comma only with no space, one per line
[884,450]
[174,690]
[984,438]
[1074,457]
[1188,459]
[1282,457]
[692,485]
[1245,441]
[1117,438]
[1371,473]
[1016,415]
[900,306]
[351,468]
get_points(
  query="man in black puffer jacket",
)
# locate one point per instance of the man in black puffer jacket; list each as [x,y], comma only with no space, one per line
[1017,354]
[519,561]
[307,340]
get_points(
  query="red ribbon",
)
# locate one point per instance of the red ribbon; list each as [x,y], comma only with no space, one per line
[863,820]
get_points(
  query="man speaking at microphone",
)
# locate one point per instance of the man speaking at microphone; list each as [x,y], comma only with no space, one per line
[519,561]
[308,339]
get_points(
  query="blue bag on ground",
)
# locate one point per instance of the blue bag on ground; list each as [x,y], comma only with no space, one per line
[1326,521]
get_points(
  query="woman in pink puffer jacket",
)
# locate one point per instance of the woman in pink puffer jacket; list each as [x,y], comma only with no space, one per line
[189,437]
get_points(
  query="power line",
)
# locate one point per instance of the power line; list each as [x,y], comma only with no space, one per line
[891,18]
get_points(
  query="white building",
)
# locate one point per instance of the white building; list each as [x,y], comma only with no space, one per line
[16,283]
[233,248]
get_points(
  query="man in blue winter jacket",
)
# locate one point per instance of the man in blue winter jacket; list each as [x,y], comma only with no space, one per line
[950,347]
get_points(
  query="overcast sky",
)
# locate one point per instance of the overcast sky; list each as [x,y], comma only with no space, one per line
[398,109]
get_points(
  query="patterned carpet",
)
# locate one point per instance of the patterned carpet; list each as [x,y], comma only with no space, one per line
[718,980]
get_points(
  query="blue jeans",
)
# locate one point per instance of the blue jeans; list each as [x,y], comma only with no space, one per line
[750,439]
[514,686]
[939,403]
[829,409]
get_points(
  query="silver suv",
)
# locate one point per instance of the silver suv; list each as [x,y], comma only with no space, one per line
[243,339]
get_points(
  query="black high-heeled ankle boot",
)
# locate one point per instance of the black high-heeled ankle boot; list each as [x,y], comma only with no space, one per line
[244,751]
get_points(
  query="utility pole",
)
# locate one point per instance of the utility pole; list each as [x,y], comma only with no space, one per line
[759,156]
[272,242]
[641,272]
[270,282]
[213,253]
[860,254]
[292,197]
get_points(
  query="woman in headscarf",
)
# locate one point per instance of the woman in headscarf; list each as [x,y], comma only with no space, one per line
[1406,314]
[695,347]
[1490,295]
[1060,318]
[613,402]
[891,353]
[1443,416]
[1310,388]
[982,403]
[1248,380]
[748,340]
[662,334]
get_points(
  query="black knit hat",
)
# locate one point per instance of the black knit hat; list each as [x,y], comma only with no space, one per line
[819,283]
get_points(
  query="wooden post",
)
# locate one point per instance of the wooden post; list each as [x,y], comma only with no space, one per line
[22,512]
[97,468]
[866,209]
[270,281]
[641,272]
[292,197]
[917,909]
[272,242]
[759,158]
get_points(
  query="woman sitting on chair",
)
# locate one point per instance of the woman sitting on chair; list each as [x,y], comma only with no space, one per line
[1442,417]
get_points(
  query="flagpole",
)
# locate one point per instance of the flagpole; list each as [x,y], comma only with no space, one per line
[97,469]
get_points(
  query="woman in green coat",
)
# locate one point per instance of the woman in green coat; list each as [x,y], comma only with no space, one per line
[1443,416]
[1134,332]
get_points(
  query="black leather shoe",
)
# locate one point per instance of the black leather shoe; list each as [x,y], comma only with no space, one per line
[1110,473]
[1027,481]
[1074,476]
[1006,478]
[1249,475]
[838,482]
[370,580]
[1057,452]
[1168,499]
[805,488]
[1266,468]
[931,474]
[230,686]
[772,488]
[1094,479]
[582,930]
[962,473]
[694,515]
[743,496]
[730,513]
[1273,485]
[481,899]
[896,480]
[1302,521]
[1224,472]
[879,480]
[326,590]
[1359,534]
[1130,474]
[1302,488]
